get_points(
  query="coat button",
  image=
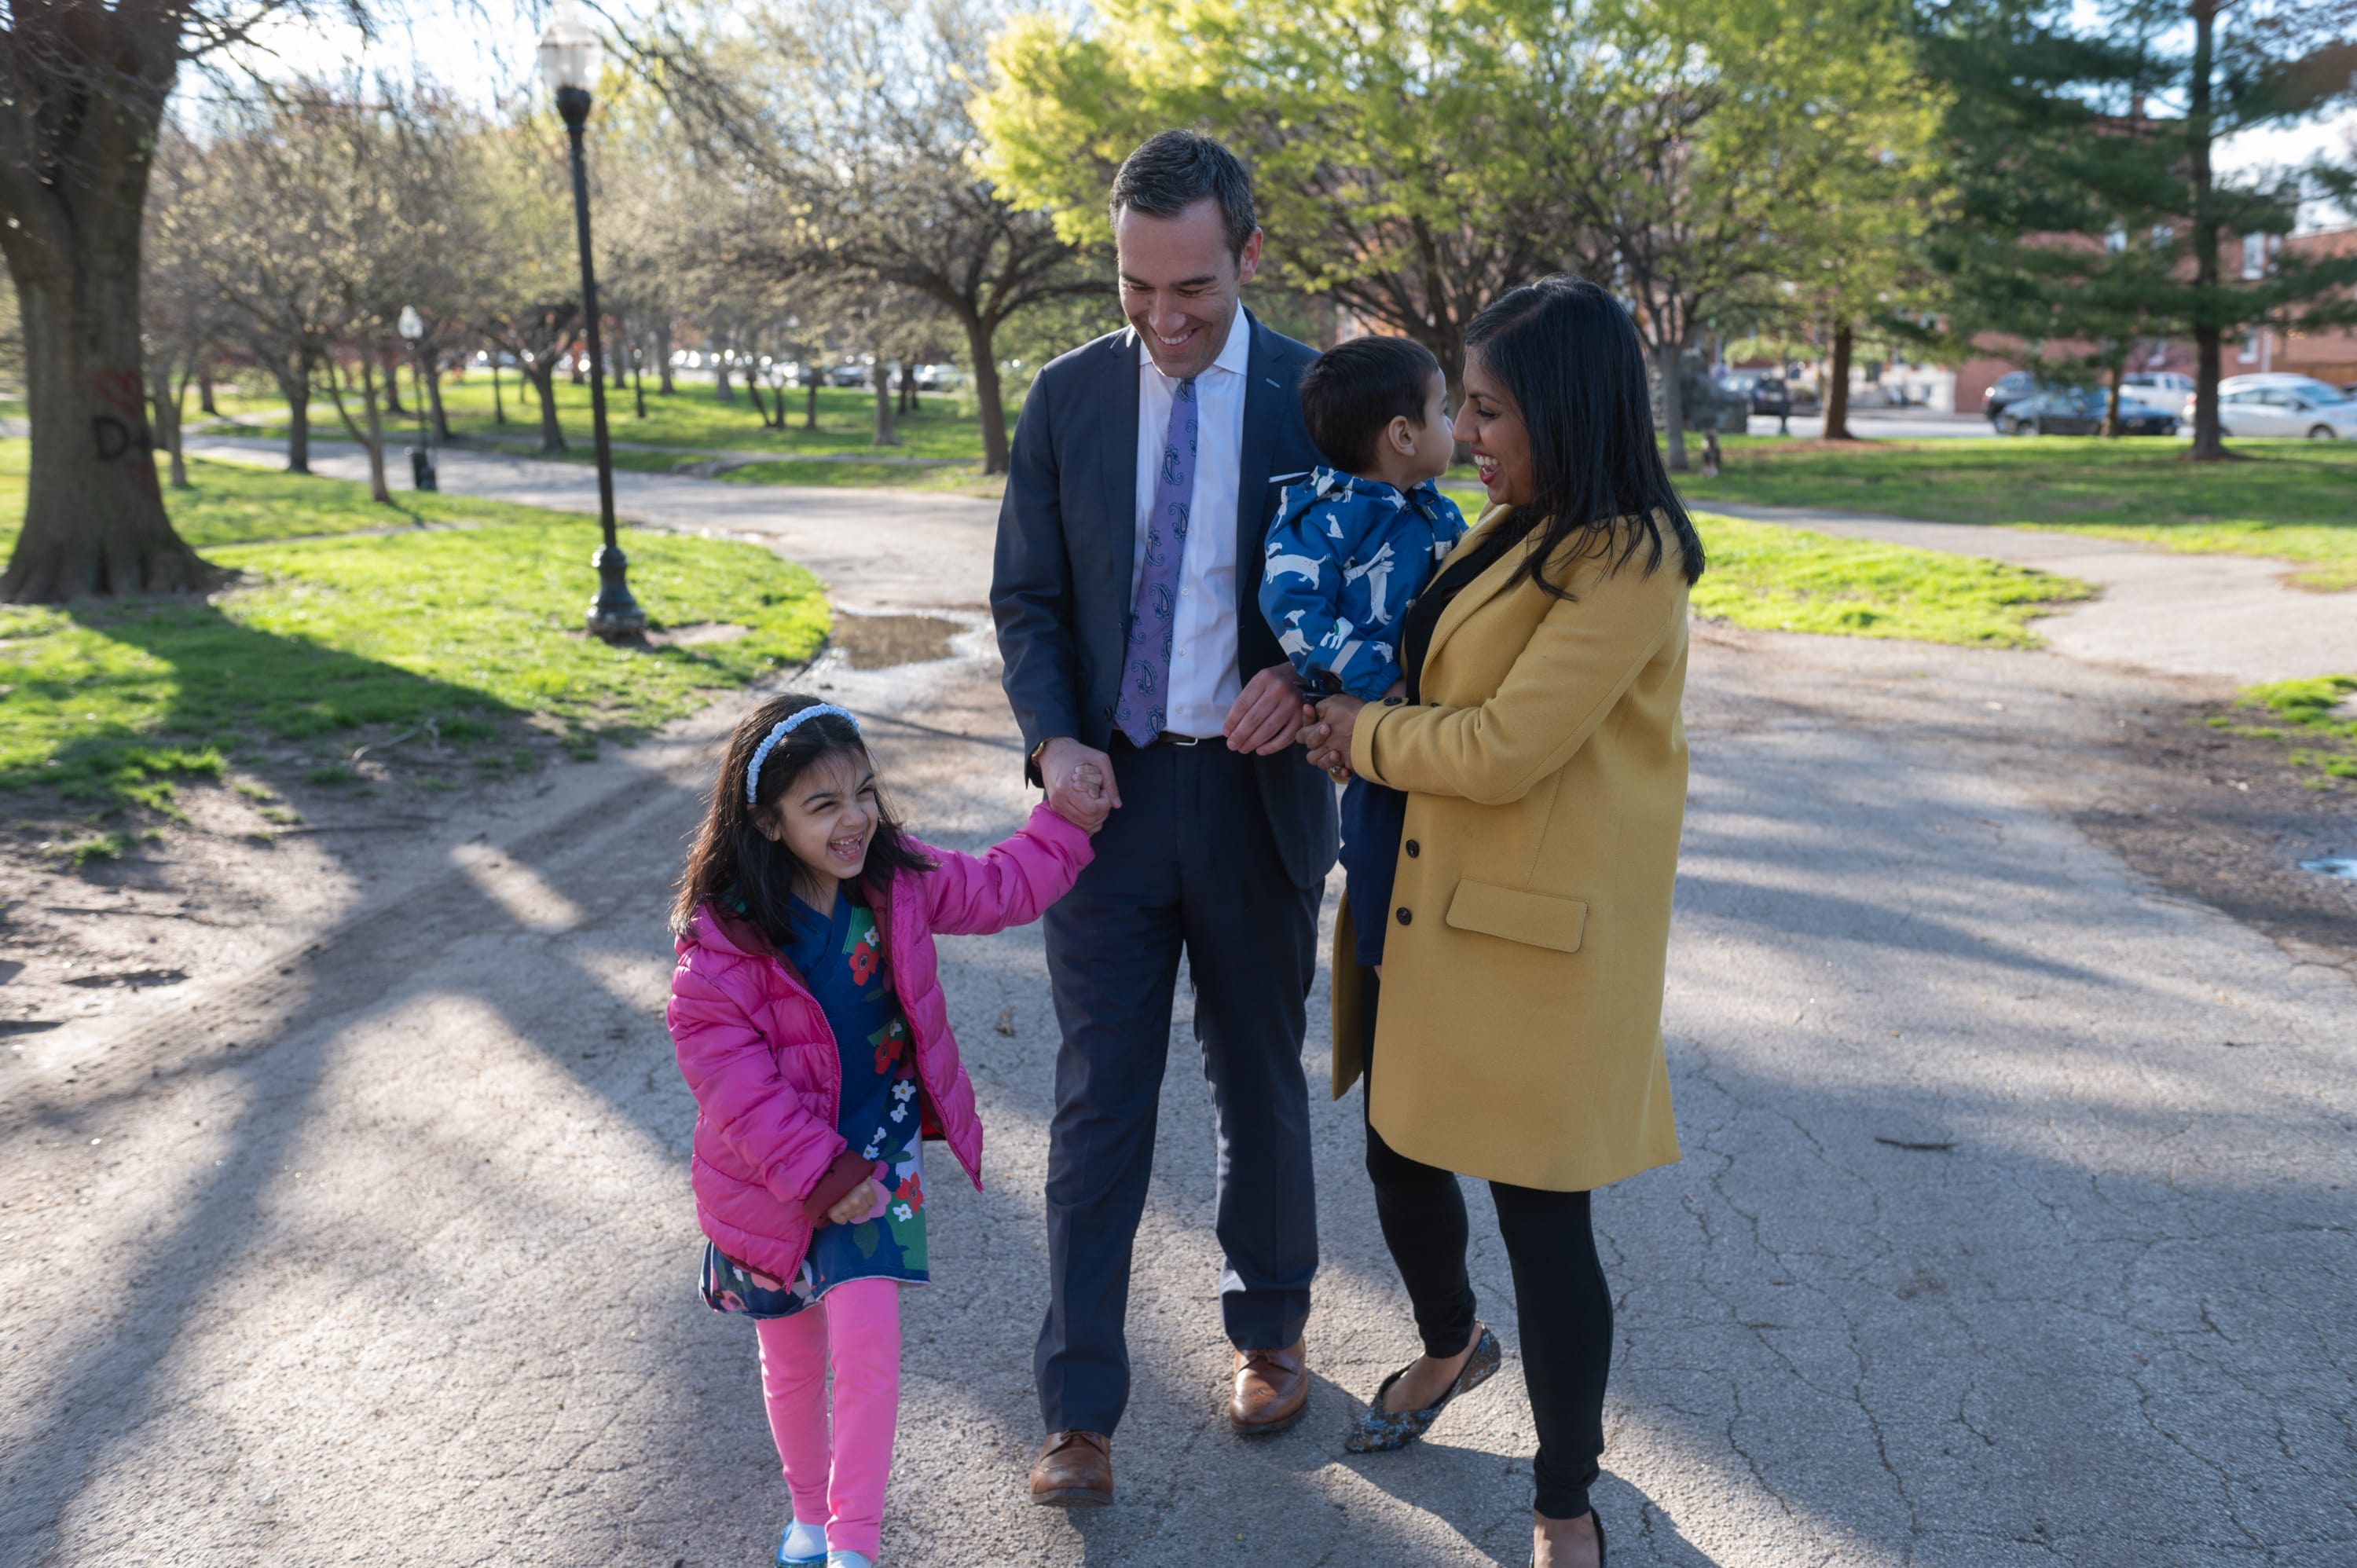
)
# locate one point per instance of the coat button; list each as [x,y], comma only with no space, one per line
[1412,848]
[1390,702]
[1405,917]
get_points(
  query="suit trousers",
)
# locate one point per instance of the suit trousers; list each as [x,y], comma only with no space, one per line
[1561,1299]
[1188,864]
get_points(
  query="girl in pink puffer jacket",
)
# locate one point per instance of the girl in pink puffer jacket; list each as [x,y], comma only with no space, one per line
[808,1015]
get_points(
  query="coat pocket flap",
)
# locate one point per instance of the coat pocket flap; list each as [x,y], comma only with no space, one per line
[1518,916]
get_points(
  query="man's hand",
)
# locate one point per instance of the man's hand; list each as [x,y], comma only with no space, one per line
[1080,782]
[1328,737]
[1268,713]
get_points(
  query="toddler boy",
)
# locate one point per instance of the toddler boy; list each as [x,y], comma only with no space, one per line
[1351,547]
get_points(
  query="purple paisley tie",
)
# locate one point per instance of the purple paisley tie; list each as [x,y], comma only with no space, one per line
[1146,663]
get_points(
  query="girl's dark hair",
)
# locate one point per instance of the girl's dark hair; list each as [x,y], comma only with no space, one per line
[731,853]
[1352,391]
[1567,354]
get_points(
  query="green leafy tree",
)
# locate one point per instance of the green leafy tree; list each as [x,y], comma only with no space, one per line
[2089,207]
[1404,157]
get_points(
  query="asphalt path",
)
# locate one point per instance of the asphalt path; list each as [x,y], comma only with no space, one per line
[2230,618]
[2013,1225]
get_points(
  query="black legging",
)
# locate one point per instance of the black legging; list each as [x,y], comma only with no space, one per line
[1560,1297]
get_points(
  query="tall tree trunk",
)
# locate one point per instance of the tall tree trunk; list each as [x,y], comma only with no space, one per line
[639,386]
[434,398]
[761,404]
[2208,434]
[543,382]
[371,435]
[294,380]
[2112,403]
[1837,385]
[810,403]
[885,434]
[1668,360]
[988,395]
[167,399]
[392,361]
[205,390]
[94,518]
[662,356]
[723,342]
[499,403]
[908,387]
[629,345]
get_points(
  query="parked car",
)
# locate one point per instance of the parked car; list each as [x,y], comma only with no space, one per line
[849,374]
[1707,405]
[2080,411]
[2279,403]
[2160,386]
[939,378]
[2006,390]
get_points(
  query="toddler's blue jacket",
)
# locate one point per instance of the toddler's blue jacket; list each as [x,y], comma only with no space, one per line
[1345,557]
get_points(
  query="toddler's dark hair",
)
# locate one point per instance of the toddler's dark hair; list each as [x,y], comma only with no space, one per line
[731,852]
[1352,391]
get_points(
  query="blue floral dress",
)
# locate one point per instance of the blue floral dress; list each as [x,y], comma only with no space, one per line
[840,957]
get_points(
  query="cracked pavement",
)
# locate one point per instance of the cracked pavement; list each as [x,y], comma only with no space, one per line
[2014,1224]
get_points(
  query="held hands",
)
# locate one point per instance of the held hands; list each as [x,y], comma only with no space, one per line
[1328,737]
[1080,787]
[863,1201]
[1268,713]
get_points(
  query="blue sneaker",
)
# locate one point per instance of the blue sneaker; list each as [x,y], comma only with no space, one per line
[803,1546]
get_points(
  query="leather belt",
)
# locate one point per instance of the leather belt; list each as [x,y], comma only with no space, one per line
[1167,737]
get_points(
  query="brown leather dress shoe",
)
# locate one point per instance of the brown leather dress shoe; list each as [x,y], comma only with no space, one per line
[1074,1470]
[1272,1391]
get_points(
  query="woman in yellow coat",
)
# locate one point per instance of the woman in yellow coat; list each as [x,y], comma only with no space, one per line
[1516,1033]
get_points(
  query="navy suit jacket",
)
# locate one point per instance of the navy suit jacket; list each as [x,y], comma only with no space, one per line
[1067,535]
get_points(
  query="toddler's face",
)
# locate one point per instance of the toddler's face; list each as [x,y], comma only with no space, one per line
[1436,443]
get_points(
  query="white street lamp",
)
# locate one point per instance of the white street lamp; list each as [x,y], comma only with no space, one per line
[411,327]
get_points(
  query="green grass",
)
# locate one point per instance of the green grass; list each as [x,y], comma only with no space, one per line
[2310,717]
[944,426]
[471,631]
[1773,578]
[2292,500]
[229,503]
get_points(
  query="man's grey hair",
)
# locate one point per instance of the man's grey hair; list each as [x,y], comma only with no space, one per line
[1171,172]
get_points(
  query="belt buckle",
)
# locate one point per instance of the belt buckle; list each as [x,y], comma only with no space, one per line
[1172,737]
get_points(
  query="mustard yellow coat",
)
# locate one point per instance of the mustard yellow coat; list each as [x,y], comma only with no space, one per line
[1520,1031]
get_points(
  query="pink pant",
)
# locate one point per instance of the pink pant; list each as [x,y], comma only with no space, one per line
[857,1325]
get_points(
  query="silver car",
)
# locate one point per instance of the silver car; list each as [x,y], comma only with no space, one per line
[2280,404]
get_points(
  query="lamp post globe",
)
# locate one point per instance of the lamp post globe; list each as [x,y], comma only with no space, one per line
[568,60]
[411,327]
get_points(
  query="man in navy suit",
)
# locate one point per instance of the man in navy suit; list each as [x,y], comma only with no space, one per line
[1147,469]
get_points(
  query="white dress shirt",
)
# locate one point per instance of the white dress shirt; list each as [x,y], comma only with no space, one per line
[1204,680]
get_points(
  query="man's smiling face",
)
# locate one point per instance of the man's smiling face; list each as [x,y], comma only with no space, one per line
[1178,282]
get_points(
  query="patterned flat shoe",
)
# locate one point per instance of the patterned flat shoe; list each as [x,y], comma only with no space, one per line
[1379,1431]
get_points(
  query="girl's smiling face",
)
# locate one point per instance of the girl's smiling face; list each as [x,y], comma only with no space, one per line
[1492,426]
[825,820]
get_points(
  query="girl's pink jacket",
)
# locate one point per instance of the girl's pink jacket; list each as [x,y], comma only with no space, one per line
[758,1055]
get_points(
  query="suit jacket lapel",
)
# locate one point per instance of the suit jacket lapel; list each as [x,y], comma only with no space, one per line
[1262,417]
[1119,472]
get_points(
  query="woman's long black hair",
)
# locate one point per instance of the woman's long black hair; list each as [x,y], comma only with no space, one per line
[731,852]
[1567,354]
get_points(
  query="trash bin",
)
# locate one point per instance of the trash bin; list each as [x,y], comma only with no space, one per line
[421,470]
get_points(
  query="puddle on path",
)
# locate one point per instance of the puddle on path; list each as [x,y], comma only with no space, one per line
[2332,867]
[881,642]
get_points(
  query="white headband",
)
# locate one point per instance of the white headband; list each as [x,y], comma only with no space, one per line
[778,732]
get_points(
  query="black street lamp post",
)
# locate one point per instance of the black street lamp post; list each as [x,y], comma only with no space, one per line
[568,58]
[421,456]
